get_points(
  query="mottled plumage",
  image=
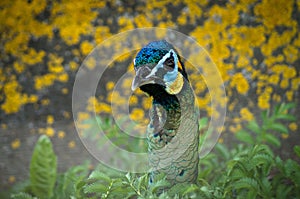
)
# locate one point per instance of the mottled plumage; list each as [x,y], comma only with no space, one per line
[173,130]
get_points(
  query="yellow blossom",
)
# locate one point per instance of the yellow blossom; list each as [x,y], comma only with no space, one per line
[49,132]
[289,95]
[221,140]
[110,85]
[55,64]
[50,119]
[293,126]
[12,179]
[19,68]
[90,63]
[64,91]
[61,134]
[73,65]
[71,144]
[284,83]
[137,114]
[86,47]
[240,82]
[66,114]
[284,136]
[264,101]
[246,114]
[64,77]
[44,81]
[83,116]
[133,100]
[33,57]
[15,144]
[45,102]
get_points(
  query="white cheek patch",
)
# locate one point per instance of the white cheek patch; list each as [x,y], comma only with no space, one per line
[134,62]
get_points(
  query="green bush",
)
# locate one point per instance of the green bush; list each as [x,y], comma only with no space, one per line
[247,171]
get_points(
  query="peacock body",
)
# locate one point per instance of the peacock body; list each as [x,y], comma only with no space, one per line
[172,133]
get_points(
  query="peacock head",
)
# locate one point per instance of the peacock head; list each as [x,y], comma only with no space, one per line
[158,67]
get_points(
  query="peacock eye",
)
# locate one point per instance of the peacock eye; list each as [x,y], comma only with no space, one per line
[169,63]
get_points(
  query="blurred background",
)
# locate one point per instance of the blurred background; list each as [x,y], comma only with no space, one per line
[255,45]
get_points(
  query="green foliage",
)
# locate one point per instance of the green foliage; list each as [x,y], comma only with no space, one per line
[22,195]
[43,169]
[113,133]
[270,122]
[70,184]
[245,171]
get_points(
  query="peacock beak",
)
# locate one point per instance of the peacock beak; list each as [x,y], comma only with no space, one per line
[144,75]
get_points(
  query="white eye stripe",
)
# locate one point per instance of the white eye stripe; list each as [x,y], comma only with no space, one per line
[134,61]
[160,64]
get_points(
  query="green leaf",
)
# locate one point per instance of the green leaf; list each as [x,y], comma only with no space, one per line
[95,188]
[191,189]
[279,127]
[286,117]
[203,123]
[253,126]
[246,183]
[244,136]
[284,107]
[22,196]
[272,140]
[297,150]
[98,175]
[43,168]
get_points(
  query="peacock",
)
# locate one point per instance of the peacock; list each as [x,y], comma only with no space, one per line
[172,133]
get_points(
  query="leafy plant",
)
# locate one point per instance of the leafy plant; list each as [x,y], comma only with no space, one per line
[271,122]
[43,169]
[245,171]
[113,133]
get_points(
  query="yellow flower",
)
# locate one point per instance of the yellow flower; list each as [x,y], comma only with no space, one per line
[86,47]
[15,144]
[55,64]
[19,68]
[291,53]
[101,33]
[45,102]
[73,65]
[141,21]
[240,82]
[33,99]
[49,131]
[50,119]
[133,100]
[293,126]
[289,72]
[64,91]
[110,85]
[263,101]
[137,114]
[66,114]
[274,79]
[284,136]
[83,116]
[246,114]
[90,63]
[284,83]
[61,134]
[64,77]
[33,57]
[44,81]
[71,144]
[289,95]
[12,179]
